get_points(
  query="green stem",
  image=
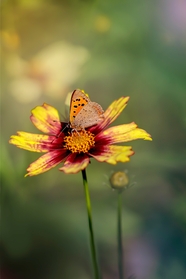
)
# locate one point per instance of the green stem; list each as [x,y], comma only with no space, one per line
[91,233]
[119,233]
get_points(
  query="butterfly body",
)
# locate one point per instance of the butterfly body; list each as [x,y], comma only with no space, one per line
[83,112]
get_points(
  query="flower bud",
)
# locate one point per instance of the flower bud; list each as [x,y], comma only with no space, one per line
[119,180]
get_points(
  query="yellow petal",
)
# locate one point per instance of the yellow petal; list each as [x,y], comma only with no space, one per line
[46,162]
[113,154]
[111,114]
[116,108]
[46,119]
[33,142]
[123,133]
[75,163]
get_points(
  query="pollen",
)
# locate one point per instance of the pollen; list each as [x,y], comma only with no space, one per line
[81,141]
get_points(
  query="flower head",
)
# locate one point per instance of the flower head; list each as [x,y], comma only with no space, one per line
[75,148]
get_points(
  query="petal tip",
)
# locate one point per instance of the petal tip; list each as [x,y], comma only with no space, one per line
[127,98]
[148,137]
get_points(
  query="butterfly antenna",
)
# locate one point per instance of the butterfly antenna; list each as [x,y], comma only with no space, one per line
[57,136]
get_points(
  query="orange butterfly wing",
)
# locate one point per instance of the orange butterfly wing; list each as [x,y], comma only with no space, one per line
[78,101]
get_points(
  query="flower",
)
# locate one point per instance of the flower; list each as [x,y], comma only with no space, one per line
[75,148]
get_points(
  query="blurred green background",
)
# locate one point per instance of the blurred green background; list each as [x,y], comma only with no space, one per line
[109,49]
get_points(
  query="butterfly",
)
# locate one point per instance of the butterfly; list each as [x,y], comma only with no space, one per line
[83,112]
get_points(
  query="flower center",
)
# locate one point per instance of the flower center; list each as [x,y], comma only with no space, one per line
[80,141]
